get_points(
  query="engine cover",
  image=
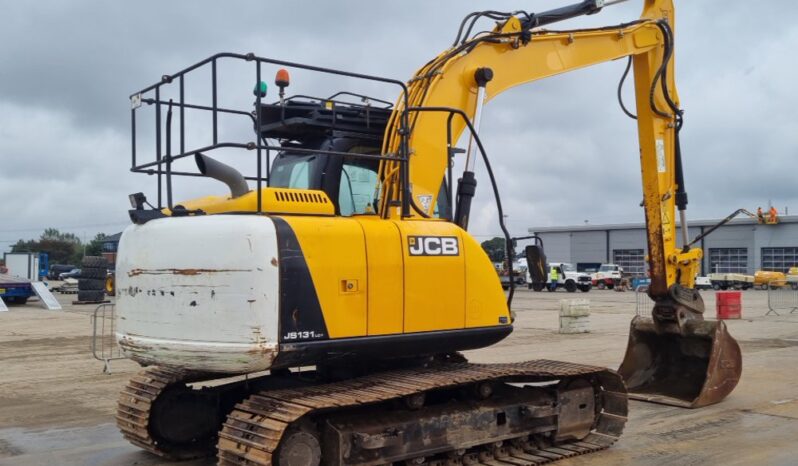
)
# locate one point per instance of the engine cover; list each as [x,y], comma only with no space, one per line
[199,293]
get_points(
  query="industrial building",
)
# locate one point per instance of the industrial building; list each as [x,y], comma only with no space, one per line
[741,246]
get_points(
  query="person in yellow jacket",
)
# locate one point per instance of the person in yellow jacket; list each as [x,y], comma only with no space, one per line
[554,277]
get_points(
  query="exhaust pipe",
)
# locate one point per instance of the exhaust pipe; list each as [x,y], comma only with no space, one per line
[224,173]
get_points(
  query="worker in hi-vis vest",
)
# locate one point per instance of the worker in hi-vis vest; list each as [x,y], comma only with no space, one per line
[553,278]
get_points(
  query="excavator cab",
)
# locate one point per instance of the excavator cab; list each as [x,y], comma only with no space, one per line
[675,357]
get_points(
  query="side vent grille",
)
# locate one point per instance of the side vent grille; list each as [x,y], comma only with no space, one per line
[298,196]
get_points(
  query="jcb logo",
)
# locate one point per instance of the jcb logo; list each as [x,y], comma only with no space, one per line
[433,246]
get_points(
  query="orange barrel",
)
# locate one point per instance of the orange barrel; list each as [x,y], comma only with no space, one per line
[729,304]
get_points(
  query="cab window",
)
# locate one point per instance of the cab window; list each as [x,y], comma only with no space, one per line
[358,182]
[443,207]
[292,171]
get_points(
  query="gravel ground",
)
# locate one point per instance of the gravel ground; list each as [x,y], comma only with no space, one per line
[57,406]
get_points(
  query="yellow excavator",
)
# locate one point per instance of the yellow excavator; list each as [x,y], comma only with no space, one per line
[318,316]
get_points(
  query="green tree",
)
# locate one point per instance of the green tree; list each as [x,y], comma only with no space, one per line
[55,235]
[495,248]
[61,247]
[95,246]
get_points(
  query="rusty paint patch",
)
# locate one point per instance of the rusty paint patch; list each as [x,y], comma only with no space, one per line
[274,261]
[129,344]
[187,272]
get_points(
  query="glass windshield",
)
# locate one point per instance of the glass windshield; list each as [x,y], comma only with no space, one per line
[358,181]
[292,170]
[608,268]
[568,268]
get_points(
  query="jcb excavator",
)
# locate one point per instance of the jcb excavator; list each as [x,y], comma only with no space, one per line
[318,316]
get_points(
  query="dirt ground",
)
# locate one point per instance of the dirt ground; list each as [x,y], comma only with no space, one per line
[57,406]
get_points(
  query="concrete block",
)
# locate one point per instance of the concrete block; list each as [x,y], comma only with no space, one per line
[574,316]
[575,324]
[574,307]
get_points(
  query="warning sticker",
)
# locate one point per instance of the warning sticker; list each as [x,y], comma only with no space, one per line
[660,145]
[426,202]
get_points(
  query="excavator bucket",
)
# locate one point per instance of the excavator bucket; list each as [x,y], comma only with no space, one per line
[694,367]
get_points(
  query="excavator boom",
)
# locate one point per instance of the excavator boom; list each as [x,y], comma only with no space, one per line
[518,52]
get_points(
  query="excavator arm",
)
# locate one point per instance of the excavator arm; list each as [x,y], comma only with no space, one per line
[519,51]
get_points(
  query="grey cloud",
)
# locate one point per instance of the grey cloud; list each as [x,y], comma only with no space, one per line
[563,150]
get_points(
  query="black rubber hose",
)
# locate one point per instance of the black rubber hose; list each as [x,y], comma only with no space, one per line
[620,88]
[668,32]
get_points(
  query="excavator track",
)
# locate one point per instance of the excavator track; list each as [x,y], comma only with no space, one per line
[135,411]
[135,405]
[254,429]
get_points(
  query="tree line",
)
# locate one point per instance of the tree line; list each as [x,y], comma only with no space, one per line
[61,247]
[497,249]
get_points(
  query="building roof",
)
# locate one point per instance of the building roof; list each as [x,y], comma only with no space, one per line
[636,226]
[113,238]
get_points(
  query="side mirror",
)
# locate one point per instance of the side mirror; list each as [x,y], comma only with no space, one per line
[536,262]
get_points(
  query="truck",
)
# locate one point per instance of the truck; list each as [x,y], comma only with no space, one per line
[608,276]
[14,290]
[32,266]
[21,268]
[735,281]
[519,274]
[703,283]
[568,278]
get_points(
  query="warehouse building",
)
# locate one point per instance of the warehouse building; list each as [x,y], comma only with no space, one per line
[740,246]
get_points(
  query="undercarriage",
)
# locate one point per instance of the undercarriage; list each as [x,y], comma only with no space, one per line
[438,412]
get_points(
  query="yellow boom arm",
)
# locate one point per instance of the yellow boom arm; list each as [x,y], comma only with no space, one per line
[516,58]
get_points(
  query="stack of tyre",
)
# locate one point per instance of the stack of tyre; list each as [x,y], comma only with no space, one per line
[91,284]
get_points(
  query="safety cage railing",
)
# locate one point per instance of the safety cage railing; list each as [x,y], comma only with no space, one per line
[161,165]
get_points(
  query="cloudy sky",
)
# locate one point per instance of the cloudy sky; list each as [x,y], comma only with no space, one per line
[562,149]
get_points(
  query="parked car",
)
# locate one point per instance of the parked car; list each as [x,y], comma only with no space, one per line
[58,269]
[608,276]
[74,273]
[567,277]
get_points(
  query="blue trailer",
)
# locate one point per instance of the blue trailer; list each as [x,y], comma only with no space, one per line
[15,290]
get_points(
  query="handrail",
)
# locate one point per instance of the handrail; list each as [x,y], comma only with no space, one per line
[161,165]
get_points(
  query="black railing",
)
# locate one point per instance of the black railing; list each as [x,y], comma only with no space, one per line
[161,166]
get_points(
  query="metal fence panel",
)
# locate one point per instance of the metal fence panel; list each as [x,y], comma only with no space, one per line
[644,304]
[103,341]
[782,296]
